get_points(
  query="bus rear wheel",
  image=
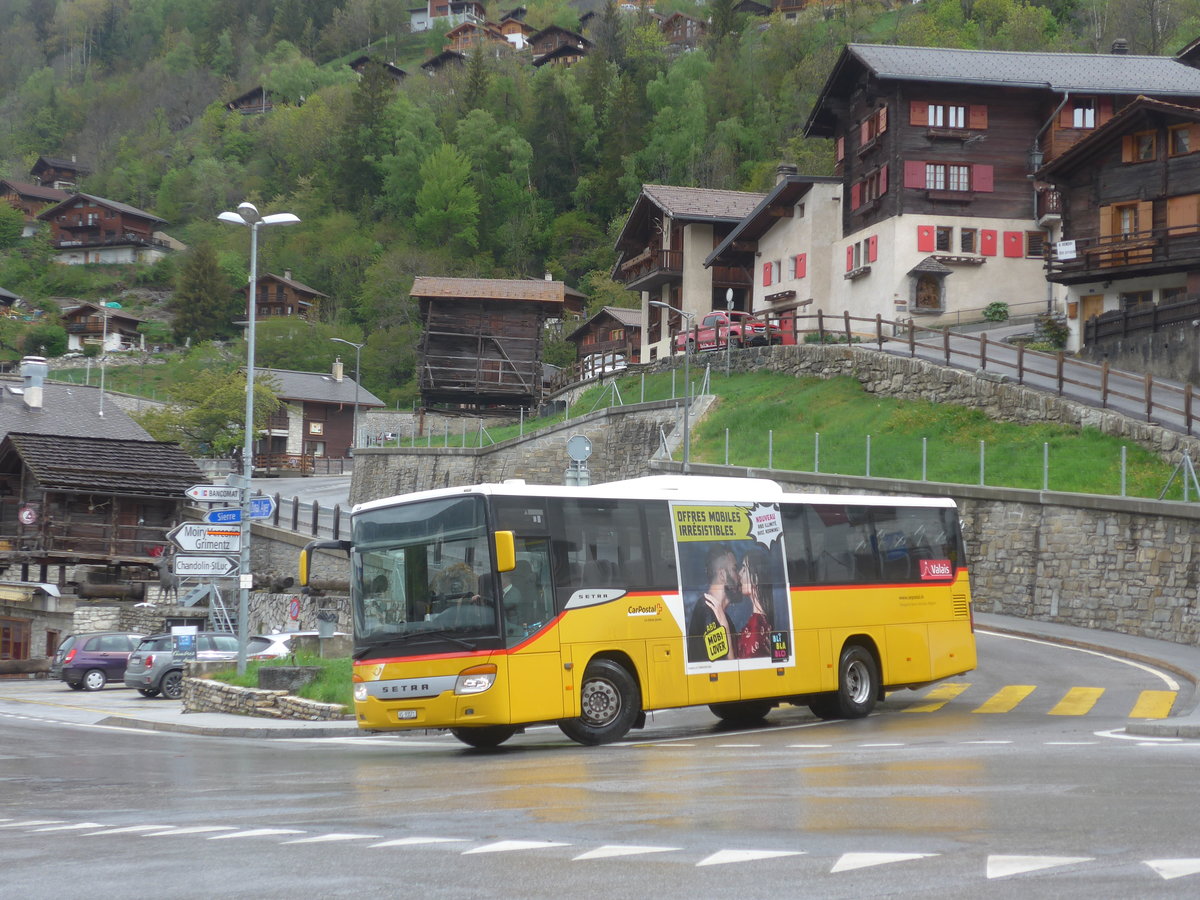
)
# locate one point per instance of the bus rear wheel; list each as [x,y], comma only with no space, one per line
[610,702]
[858,686]
[742,712]
[486,737]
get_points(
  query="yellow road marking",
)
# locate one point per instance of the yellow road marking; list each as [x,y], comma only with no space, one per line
[1006,699]
[942,694]
[1078,701]
[1153,705]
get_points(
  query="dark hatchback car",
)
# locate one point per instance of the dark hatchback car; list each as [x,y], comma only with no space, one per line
[87,662]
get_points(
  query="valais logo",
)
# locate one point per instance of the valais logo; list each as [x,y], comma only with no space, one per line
[936,568]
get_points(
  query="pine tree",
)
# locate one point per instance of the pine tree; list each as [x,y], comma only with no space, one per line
[203,306]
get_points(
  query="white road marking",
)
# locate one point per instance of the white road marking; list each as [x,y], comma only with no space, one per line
[128,829]
[31,823]
[1170,682]
[1004,866]
[191,829]
[739,746]
[256,832]
[987,742]
[1071,743]
[77,827]
[883,745]
[335,836]
[850,861]
[610,850]
[509,846]
[809,746]
[413,841]
[1142,741]
[1174,868]
[722,857]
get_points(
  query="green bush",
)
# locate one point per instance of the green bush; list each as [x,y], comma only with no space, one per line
[1053,330]
[996,312]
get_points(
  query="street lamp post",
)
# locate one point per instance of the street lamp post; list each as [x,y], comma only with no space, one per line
[248,214]
[105,306]
[357,384]
[687,384]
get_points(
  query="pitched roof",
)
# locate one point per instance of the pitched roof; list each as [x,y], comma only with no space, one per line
[101,201]
[787,192]
[684,204]
[292,283]
[59,162]
[36,191]
[67,410]
[86,309]
[144,468]
[538,290]
[1092,73]
[318,387]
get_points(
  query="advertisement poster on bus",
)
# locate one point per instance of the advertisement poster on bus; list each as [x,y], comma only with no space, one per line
[733,581]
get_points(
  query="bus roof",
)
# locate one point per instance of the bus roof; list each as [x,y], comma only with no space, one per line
[698,488]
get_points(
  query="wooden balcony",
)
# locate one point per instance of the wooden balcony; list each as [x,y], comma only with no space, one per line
[650,269]
[1049,206]
[1143,253]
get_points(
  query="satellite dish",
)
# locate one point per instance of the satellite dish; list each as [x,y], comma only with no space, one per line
[579,448]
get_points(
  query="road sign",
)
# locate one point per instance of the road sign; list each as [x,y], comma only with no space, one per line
[228,516]
[210,566]
[214,493]
[196,537]
[261,507]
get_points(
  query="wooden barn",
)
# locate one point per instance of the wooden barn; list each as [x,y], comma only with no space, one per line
[481,346]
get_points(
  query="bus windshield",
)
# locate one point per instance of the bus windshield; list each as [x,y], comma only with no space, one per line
[423,571]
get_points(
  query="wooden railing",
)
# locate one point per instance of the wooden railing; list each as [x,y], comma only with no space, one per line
[648,262]
[1144,317]
[1105,255]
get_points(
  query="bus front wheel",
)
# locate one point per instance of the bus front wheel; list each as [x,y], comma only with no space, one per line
[609,701]
[858,686]
[485,737]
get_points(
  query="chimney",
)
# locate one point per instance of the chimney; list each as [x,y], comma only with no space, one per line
[783,170]
[287,273]
[34,370]
[1120,47]
[549,277]
[338,370]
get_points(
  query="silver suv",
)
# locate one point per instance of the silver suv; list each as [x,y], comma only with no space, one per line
[153,668]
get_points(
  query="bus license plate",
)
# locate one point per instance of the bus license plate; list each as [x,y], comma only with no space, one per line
[406,714]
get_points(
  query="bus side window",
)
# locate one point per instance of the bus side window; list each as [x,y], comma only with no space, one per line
[800,566]
[660,546]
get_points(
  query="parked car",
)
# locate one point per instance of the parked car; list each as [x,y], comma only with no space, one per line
[274,646]
[153,669]
[89,661]
[740,328]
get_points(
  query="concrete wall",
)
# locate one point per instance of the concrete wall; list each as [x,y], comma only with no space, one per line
[1171,352]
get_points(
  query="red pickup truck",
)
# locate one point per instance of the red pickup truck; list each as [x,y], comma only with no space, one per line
[741,328]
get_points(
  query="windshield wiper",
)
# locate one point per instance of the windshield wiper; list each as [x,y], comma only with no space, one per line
[406,638]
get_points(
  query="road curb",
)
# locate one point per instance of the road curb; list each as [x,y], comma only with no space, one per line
[249,731]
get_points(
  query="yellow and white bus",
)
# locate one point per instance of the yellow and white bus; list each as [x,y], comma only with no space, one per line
[488,608]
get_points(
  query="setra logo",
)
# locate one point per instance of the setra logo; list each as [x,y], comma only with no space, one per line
[936,568]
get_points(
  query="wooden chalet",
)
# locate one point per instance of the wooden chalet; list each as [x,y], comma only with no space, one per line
[469,36]
[452,12]
[661,251]
[109,329]
[89,229]
[316,419]
[481,346]
[256,101]
[515,29]
[359,65]
[551,39]
[937,149]
[59,173]
[81,482]
[683,32]
[282,295]
[562,55]
[1131,213]
[446,58]
[610,341]
[30,199]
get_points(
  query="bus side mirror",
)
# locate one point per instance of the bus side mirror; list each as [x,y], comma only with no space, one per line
[506,551]
[307,552]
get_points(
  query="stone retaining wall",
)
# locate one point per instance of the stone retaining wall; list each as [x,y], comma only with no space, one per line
[206,695]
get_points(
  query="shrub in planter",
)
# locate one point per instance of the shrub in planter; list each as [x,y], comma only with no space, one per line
[996,312]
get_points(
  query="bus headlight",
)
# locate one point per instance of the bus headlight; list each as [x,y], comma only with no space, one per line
[360,693]
[475,680]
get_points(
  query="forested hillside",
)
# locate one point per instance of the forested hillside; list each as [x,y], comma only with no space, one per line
[493,168]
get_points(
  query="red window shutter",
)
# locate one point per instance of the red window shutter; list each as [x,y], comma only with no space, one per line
[881,120]
[918,113]
[766,274]
[1127,148]
[1104,110]
[1014,244]
[840,149]
[864,132]
[925,239]
[982,178]
[856,195]
[987,242]
[883,178]
[914,173]
[801,265]
[977,117]
[873,248]
[849,258]
[1066,117]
